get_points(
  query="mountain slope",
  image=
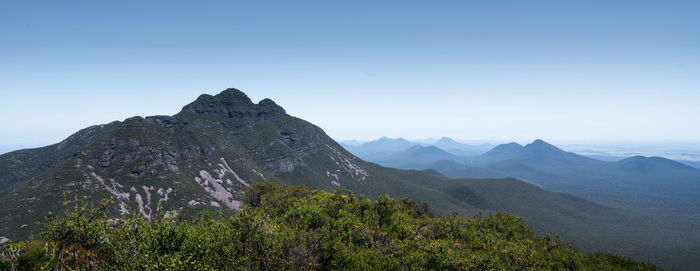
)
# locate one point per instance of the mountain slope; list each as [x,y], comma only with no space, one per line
[544,209]
[22,165]
[204,157]
[660,176]
[499,153]
[653,165]
[291,228]
[644,182]
[454,169]
[538,152]
[658,199]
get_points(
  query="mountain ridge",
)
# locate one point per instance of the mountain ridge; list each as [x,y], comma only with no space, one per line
[12,165]
[204,157]
[643,189]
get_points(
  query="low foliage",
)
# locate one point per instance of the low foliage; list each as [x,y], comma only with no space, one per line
[290,228]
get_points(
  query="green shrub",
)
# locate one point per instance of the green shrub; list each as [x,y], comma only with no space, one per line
[292,228]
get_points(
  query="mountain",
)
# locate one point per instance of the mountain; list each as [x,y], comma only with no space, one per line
[5,148]
[454,169]
[208,154]
[459,149]
[202,157]
[538,152]
[447,143]
[659,176]
[646,165]
[388,144]
[380,148]
[385,149]
[528,201]
[404,154]
[539,163]
[416,157]
[352,142]
[500,152]
[660,198]
[635,179]
[205,157]
[21,165]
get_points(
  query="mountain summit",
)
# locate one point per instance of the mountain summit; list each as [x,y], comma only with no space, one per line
[231,103]
[503,150]
[540,151]
[203,157]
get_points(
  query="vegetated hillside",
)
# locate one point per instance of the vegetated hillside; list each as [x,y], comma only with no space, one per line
[640,182]
[454,169]
[658,200]
[289,228]
[586,224]
[660,174]
[21,165]
[203,157]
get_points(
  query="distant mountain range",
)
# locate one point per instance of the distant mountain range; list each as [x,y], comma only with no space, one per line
[649,182]
[205,156]
[388,149]
[415,157]
[646,188]
[460,149]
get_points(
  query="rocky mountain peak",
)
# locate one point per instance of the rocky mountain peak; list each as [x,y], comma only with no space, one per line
[267,106]
[541,145]
[505,149]
[445,139]
[229,103]
[232,96]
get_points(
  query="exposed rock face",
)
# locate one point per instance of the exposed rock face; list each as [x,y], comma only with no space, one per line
[283,165]
[215,188]
[269,107]
[206,155]
[232,103]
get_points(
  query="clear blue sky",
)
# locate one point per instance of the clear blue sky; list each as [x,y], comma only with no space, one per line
[512,70]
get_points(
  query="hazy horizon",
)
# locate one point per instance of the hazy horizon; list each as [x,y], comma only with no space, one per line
[681,150]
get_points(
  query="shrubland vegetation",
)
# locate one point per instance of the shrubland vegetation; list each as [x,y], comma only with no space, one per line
[291,228]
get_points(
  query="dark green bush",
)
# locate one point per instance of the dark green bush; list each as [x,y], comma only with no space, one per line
[291,228]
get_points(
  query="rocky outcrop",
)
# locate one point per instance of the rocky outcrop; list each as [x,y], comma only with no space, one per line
[206,155]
